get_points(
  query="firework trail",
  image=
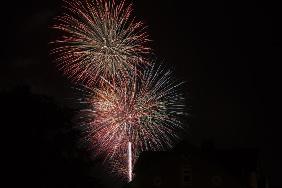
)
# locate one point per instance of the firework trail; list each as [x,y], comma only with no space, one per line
[143,111]
[99,38]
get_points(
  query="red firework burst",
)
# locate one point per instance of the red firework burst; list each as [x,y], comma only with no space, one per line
[99,38]
[143,112]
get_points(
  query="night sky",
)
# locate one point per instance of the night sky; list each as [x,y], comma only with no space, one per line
[227,52]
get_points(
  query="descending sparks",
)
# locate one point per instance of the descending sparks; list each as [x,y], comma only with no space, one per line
[99,38]
[143,112]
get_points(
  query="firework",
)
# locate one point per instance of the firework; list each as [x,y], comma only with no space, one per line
[143,111]
[99,38]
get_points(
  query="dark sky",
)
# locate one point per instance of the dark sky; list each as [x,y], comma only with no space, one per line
[228,53]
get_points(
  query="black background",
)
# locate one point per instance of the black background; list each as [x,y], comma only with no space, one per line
[228,52]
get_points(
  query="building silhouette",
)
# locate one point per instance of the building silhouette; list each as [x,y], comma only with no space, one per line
[199,168]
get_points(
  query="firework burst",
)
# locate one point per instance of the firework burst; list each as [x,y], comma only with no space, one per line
[99,38]
[141,111]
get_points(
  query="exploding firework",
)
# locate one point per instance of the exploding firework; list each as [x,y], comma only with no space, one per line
[99,38]
[143,111]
